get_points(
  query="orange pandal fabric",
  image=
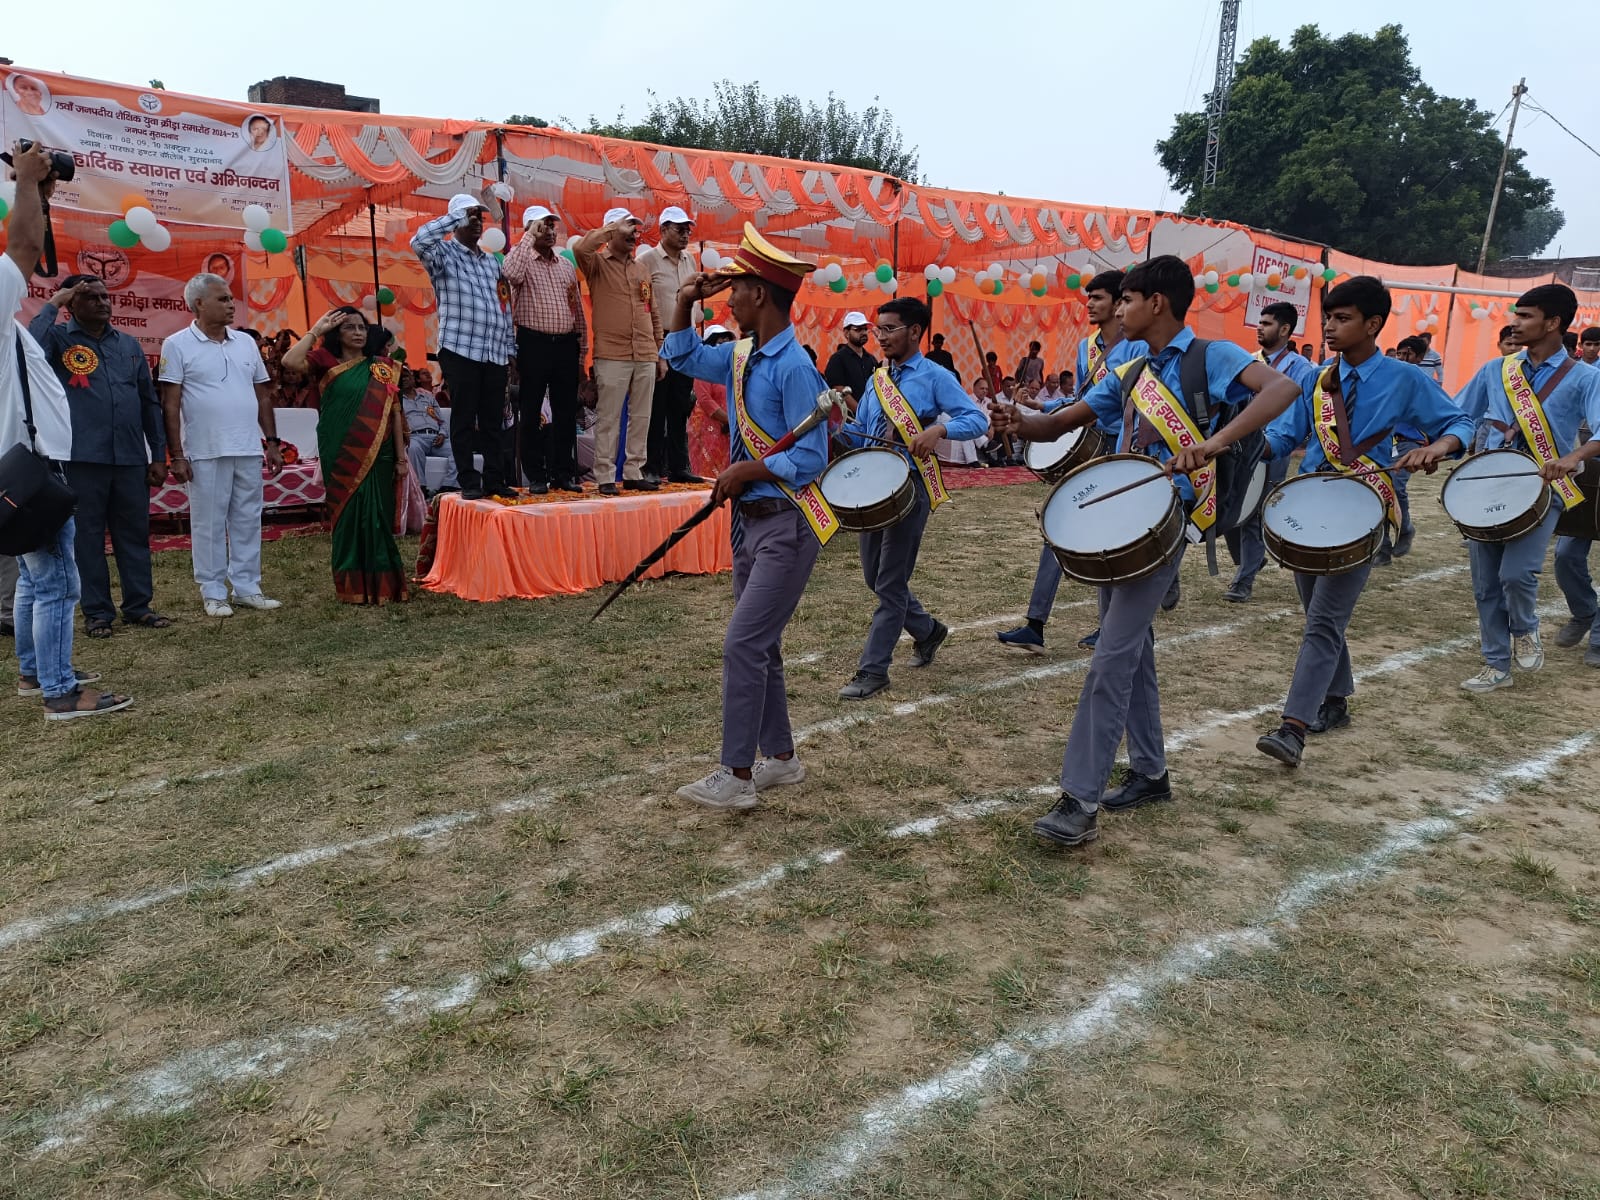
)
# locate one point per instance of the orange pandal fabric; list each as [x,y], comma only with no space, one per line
[489,551]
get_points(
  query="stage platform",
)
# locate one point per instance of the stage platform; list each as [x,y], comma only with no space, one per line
[490,550]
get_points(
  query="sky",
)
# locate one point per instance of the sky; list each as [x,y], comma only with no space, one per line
[1048,99]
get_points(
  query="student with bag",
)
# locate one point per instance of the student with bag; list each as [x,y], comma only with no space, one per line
[36,513]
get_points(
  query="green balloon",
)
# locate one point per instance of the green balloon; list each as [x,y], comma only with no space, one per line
[838,285]
[884,272]
[273,241]
[1212,287]
[935,287]
[567,254]
[1328,274]
[1233,280]
[1073,281]
[1040,291]
[706,313]
[4,211]
[122,236]
[385,295]
[999,286]
[1271,287]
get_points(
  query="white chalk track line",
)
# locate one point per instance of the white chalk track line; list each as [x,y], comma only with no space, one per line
[176,1082]
[879,1127]
[29,929]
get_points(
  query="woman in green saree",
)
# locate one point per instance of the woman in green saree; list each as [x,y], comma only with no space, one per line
[361,443]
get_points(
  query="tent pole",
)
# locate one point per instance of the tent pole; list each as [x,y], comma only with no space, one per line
[372,232]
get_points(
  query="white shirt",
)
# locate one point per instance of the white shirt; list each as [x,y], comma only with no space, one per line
[51,417]
[221,418]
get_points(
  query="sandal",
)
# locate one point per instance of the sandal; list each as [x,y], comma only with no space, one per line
[72,705]
[149,620]
[98,627]
[27,687]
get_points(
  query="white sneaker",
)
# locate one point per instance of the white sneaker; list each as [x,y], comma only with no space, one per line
[1528,651]
[777,772]
[265,603]
[218,608]
[1487,680]
[721,789]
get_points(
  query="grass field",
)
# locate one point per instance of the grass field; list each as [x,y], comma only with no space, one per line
[400,904]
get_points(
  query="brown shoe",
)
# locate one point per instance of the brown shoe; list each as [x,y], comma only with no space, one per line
[84,703]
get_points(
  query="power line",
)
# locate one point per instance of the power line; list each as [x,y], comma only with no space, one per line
[1538,109]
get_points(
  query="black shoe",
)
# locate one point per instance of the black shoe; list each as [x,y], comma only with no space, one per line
[504,492]
[1383,558]
[641,485]
[608,489]
[1089,640]
[7,629]
[449,487]
[685,477]
[472,493]
[1237,594]
[1285,743]
[1174,594]
[922,652]
[1137,789]
[538,488]
[1402,544]
[565,485]
[650,476]
[862,685]
[1334,714]
[1067,824]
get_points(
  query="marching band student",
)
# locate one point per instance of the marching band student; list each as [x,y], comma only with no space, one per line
[1120,693]
[779,519]
[916,403]
[1533,401]
[1361,395]
[1098,356]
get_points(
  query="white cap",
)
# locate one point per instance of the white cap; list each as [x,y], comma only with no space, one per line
[535,212]
[711,331]
[675,216]
[462,202]
[614,215]
[854,318]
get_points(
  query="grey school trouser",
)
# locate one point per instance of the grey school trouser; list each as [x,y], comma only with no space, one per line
[1046,581]
[1322,669]
[888,557]
[1120,694]
[770,571]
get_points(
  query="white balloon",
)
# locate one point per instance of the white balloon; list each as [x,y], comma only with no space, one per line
[502,191]
[493,239]
[869,280]
[1210,278]
[256,217]
[708,258]
[930,272]
[1480,313]
[158,239]
[947,275]
[835,271]
[1421,326]
[996,270]
[891,285]
[1247,281]
[578,237]
[252,240]
[1433,320]
[369,303]
[141,220]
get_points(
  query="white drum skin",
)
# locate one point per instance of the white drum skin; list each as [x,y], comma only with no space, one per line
[1322,523]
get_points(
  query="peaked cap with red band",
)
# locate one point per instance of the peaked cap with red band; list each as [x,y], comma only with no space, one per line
[759,257]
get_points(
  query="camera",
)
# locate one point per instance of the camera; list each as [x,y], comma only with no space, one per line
[62,165]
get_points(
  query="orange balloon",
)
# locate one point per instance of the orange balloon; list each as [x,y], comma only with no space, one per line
[386,309]
[1274,279]
[133,200]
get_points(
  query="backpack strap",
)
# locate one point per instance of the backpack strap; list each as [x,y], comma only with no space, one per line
[1194,381]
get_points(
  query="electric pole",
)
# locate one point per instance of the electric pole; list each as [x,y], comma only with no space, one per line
[1494,201]
[1217,105]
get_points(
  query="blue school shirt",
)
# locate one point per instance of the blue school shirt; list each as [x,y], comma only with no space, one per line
[930,390]
[1224,364]
[1575,400]
[1296,366]
[781,389]
[1379,395]
[1126,350]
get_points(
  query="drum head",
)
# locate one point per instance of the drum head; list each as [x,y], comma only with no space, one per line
[1322,511]
[1470,499]
[1253,493]
[864,477]
[1041,456]
[1115,522]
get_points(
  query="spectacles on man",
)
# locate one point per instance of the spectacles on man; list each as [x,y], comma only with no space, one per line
[883,329]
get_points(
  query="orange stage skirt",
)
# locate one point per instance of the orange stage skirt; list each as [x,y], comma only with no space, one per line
[490,551]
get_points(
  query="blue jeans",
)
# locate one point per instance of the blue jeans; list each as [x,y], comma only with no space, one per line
[1505,583]
[1572,577]
[47,592]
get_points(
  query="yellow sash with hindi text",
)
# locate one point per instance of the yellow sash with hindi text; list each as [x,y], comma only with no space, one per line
[1534,424]
[1326,423]
[1166,414]
[808,499]
[904,418]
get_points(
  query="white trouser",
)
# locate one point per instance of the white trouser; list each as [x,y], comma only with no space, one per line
[225,498]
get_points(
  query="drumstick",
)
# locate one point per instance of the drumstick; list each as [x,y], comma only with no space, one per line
[1127,487]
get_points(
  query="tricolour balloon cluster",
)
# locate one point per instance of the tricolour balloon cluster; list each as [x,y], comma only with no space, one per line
[937,278]
[139,226]
[259,235]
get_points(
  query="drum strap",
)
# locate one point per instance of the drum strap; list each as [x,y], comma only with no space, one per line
[1330,421]
[756,442]
[1534,427]
[898,411]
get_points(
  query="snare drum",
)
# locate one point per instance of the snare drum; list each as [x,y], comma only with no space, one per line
[1121,539]
[869,489]
[1054,461]
[1496,510]
[1322,523]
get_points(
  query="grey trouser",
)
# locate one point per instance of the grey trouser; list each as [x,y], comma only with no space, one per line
[1322,669]
[1505,584]
[8,585]
[1246,546]
[112,500]
[888,556]
[770,570]
[1046,580]
[1120,694]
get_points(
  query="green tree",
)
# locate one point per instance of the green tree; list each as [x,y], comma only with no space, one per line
[1538,229]
[1340,141]
[742,119]
[526,119]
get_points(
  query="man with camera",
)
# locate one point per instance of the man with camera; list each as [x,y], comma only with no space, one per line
[47,576]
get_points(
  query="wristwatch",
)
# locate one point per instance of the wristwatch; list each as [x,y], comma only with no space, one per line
[273,441]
